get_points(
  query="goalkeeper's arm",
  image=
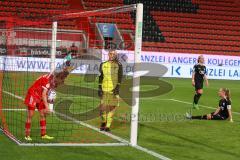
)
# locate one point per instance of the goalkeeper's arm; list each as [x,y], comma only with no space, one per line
[100,79]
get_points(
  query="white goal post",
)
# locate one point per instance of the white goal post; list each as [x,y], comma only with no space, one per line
[136,75]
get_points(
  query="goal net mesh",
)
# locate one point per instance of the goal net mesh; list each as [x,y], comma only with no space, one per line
[25,47]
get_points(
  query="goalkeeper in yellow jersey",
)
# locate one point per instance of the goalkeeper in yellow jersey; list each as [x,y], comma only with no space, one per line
[109,83]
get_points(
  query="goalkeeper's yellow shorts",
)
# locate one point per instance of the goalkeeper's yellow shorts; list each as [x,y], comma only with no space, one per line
[109,99]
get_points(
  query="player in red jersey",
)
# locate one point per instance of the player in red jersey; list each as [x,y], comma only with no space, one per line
[37,98]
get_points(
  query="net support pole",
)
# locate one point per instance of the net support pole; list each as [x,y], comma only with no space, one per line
[53,52]
[136,75]
[53,46]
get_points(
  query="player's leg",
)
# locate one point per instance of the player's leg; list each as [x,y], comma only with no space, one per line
[104,110]
[113,102]
[202,117]
[217,117]
[110,114]
[30,102]
[103,115]
[197,96]
[43,122]
[30,113]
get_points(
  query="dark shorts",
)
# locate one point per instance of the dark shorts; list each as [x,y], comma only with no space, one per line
[198,85]
[218,117]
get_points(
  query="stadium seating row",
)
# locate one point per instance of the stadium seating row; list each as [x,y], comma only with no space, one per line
[42,1]
[31,4]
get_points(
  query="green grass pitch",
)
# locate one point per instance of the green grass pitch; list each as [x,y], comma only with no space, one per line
[159,129]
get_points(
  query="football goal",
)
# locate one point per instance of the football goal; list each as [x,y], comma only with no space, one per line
[35,46]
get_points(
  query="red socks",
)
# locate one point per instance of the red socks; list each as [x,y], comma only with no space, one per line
[27,129]
[43,127]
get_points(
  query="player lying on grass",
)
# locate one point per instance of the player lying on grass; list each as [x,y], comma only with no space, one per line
[37,97]
[198,77]
[109,83]
[223,112]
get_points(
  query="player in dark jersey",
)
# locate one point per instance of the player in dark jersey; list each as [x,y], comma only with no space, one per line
[223,112]
[198,77]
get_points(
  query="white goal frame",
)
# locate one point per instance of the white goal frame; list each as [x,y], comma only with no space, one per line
[136,82]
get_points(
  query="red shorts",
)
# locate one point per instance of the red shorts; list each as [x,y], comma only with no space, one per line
[32,102]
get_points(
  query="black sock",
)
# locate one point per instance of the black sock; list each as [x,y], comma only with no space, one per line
[196,98]
[199,117]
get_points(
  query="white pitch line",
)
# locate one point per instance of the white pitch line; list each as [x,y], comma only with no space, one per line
[151,153]
[74,144]
[16,96]
[92,127]
[10,136]
[175,100]
[13,109]
[124,142]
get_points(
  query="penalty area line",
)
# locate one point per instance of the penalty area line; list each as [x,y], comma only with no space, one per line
[123,141]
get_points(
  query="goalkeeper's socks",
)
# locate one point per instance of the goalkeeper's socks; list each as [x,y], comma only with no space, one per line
[43,127]
[104,120]
[27,129]
[109,119]
[103,126]
[104,116]
[107,130]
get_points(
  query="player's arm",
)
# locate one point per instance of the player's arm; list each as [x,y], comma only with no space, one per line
[193,76]
[44,97]
[217,111]
[120,74]
[205,77]
[230,115]
[119,78]
[229,108]
[100,80]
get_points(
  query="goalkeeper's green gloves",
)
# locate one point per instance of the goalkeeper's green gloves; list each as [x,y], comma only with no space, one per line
[116,90]
[100,91]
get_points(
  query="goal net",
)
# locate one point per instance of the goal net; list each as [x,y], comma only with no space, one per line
[35,46]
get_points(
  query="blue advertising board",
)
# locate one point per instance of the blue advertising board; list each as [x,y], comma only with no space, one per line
[107,29]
